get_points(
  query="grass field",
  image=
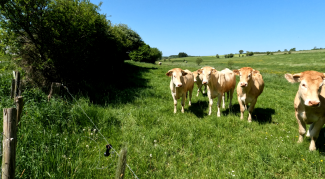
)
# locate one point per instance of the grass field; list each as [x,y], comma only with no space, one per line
[56,140]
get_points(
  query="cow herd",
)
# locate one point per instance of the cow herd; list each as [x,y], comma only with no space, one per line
[309,102]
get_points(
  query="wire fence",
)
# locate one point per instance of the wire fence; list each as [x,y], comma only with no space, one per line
[98,131]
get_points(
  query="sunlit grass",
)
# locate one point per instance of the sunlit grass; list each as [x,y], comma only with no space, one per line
[57,140]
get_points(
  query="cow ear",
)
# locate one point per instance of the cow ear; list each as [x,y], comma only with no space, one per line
[236,72]
[169,73]
[213,71]
[184,73]
[199,71]
[255,72]
[293,78]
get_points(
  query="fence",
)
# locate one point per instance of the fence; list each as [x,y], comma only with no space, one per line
[11,118]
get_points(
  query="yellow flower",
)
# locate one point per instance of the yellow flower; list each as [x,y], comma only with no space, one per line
[303,159]
[321,160]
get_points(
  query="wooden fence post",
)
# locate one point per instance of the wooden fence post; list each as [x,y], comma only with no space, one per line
[121,164]
[17,83]
[19,104]
[55,90]
[9,143]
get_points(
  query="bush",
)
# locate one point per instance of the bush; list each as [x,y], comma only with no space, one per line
[249,53]
[198,61]
[268,53]
[271,53]
[230,55]
[226,56]
[230,64]
[217,56]
[182,54]
[289,52]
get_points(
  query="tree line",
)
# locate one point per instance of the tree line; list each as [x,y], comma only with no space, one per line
[67,41]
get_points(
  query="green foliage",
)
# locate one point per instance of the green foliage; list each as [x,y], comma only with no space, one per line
[268,53]
[271,53]
[143,54]
[230,55]
[199,61]
[226,56]
[182,54]
[293,49]
[285,50]
[230,64]
[217,56]
[279,50]
[289,52]
[249,53]
[285,53]
[241,51]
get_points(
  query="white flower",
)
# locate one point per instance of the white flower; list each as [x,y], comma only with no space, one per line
[155,141]
[91,133]
[150,155]
[233,171]
[57,134]
[83,129]
[166,153]
[87,146]
[94,130]
[265,138]
[65,138]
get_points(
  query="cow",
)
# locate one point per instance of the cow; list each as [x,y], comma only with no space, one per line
[198,80]
[218,82]
[159,63]
[182,81]
[309,104]
[249,88]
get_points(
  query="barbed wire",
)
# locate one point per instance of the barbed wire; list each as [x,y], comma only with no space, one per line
[96,127]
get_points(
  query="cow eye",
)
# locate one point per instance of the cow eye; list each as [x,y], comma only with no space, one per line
[174,76]
[303,85]
[249,76]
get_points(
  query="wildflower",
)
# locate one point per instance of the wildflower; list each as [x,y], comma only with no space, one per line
[303,159]
[265,138]
[94,130]
[91,133]
[155,141]
[83,129]
[321,160]
[65,138]
[166,153]
[87,146]
[266,132]
[296,136]
[57,134]
[150,155]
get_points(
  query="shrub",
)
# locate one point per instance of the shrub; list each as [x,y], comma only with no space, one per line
[289,52]
[182,54]
[217,56]
[268,53]
[230,55]
[226,56]
[271,53]
[198,61]
[230,64]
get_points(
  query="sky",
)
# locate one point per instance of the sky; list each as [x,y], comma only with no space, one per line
[210,27]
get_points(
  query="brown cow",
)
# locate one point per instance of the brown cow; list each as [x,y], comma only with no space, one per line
[181,82]
[218,83]
[250,86]
[198,80]
[309,103]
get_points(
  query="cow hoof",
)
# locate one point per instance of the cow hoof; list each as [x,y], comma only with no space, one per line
[312,148]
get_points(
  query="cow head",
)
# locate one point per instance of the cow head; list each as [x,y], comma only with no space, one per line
[311,83]
[245,75]
[206,73]
[176,74]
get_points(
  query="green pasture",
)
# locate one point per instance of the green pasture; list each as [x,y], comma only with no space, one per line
[56,140]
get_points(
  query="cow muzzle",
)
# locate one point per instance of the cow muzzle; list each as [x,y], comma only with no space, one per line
[204,82]
[243,84]
[178,85]
[312,103]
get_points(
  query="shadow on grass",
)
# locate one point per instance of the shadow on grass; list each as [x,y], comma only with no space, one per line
[320,143]
[199,108]
[235,109]
[263,115]
[120,86]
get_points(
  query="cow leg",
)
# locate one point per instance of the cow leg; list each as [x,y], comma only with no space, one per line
[314,133]
[199,86]
[302,127]
[175,103]
[242,108]
[251,109]
[210,101]
[223,100]
[309,130]
[190,96]
[230,95]
[183,101]
[205,88]
[219,101]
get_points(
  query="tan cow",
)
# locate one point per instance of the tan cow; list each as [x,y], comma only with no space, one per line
[309,103]
[250,86]
[198,80]
[159,63]
[218,83]
[181,82]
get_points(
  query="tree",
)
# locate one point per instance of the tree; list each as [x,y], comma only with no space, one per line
[279,50]
[182,54]
[241,51]
[217,56]
[293,49]
[198,61]
[268,53]
[145,54]
[285,50]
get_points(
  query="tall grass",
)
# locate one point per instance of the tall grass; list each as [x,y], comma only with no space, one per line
[56,140]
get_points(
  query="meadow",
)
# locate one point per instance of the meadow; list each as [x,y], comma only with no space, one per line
[56,140]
